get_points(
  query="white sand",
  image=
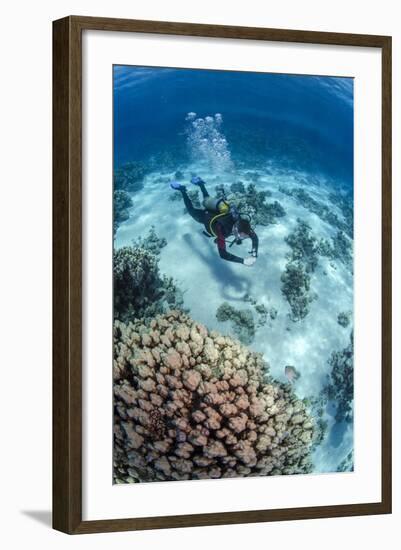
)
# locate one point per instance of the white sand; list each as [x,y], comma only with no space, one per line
[192,259]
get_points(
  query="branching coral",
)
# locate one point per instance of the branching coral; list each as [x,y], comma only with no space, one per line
[139,290]
[122,202]
[242,321]
[192,404]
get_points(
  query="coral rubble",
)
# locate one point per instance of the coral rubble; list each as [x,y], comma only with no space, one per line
[193,404]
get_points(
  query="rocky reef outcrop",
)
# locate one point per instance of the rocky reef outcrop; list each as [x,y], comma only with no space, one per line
[193,404]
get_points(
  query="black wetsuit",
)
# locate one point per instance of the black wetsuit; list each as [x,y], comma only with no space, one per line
[222,227]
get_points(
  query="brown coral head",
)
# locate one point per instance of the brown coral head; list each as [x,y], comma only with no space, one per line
[193,404]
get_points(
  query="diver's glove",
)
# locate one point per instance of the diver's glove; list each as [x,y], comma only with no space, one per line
[177,186]
[196,180]
[253,253]
[249,261]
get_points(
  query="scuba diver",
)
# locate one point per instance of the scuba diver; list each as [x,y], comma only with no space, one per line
[220,221]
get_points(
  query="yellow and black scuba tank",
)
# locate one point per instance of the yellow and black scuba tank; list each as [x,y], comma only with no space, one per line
[218,207]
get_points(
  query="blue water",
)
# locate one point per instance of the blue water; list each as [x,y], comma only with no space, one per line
[303,121]
[291,132]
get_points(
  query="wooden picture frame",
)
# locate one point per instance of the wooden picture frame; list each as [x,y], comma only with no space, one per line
[67,273]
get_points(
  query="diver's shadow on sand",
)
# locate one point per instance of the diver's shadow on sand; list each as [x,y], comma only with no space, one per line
[225,274]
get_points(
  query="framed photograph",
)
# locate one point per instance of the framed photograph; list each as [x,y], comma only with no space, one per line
[222,274]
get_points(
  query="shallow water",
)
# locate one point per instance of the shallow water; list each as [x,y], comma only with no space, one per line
[281,132]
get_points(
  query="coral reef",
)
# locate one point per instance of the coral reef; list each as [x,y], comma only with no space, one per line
[252,202]
[179,175]
[304,246]
[139,289]
[345,202]
[347,465]
[324,212]
[192,404]
[241,319]
[317,407]
[129,176]
[252,176]
[238,187]
[344,318]
[193,194]
[122,202]
[263,312]
[341,249]
[151,242]
[341,386]
[295,287]
[296,278]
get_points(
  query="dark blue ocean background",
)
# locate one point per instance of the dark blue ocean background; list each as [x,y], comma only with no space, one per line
[302,122]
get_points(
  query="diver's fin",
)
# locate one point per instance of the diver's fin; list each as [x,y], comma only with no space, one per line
[196,180]
[177,186]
